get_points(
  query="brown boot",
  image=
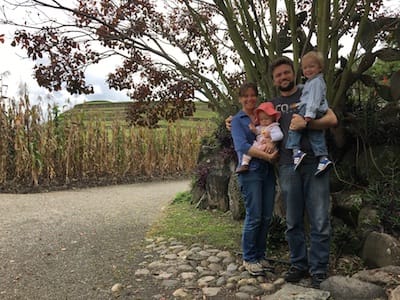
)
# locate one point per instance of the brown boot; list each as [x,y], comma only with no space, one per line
[242,169]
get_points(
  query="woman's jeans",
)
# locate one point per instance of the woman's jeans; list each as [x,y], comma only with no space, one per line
[258,190]
[303,192]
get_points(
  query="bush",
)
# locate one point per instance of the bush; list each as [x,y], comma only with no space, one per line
[384,194]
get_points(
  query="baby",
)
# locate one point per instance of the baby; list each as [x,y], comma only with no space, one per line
[267,132]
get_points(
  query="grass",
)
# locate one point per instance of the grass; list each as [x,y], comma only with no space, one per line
[109,112]
[189,225]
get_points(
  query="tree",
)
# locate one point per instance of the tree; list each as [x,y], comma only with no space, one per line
[179,50]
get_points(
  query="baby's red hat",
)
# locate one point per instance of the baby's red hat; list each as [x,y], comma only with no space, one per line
[268,108]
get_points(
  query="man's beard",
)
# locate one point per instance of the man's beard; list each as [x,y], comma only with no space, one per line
[287,88]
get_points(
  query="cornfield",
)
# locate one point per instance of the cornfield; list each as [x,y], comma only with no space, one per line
[57,150]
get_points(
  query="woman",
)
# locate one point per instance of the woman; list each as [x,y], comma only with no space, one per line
[257,185]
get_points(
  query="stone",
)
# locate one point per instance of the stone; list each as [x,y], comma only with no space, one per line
[385,276]
[184,268]
[250,289]
[268,288]
[344,288]
[381,249]
[211,291]
[224,254]
[180,293]
[232,267]
[188,275]
[215,267]
[213,259]
[242,296]
[168,283]
[116,288]
[204,281]
[291,292]
[395,294]
[142,272]
[171,256]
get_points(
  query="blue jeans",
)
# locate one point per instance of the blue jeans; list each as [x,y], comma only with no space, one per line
[258,190]
[302,193]
[315,137]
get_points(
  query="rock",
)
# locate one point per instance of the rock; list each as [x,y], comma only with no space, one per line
[344,288]
[142,272]
[368,220]
[381,249]
[386,276]
[291,292]
[116,288]
[395,294]
[211,291]
[180,293]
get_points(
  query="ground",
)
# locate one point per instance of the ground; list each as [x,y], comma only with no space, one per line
[77,244]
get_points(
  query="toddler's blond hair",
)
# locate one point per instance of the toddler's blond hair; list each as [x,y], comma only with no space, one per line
[316,56]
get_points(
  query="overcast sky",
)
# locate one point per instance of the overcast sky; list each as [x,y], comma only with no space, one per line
[20,68]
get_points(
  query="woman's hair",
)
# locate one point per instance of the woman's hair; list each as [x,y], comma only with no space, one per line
[247,85]
[315,56]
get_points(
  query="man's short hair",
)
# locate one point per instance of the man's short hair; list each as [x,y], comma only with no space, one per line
[283,60]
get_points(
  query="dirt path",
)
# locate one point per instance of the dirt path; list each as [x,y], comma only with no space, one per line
[77,244]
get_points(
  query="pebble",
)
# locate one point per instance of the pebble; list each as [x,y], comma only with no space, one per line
[200,271]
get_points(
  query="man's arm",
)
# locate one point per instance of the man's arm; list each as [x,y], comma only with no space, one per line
[329,120]
[228,122]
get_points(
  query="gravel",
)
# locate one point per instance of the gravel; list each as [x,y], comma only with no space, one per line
[78,244]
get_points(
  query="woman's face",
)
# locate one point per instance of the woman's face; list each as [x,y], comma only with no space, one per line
[248,100]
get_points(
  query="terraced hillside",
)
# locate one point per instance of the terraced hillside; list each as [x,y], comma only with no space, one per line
[111,111]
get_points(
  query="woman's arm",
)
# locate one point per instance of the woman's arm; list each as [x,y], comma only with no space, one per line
[268,156]
[329,120]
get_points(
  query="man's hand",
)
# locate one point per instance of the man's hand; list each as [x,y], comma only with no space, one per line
[228,122]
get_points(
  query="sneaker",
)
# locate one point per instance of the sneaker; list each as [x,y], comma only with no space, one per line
[317,279]
[298,158]
[242,169]
[324,164]
[295,275]
[254,268]
[266,265]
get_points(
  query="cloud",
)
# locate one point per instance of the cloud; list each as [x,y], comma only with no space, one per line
[20,69]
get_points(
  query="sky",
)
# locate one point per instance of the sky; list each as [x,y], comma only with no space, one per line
[20,71]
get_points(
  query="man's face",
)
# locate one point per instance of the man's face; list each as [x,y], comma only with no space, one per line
[283,78]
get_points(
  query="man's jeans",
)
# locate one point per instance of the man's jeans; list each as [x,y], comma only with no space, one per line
[303,193]
[258,190]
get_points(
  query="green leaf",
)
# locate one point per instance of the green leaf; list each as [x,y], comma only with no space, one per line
[367,36]
[367,61]
[284,39]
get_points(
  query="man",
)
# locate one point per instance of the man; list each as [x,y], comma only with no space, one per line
[302,191]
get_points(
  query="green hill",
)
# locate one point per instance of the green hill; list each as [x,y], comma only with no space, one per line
[111,111]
